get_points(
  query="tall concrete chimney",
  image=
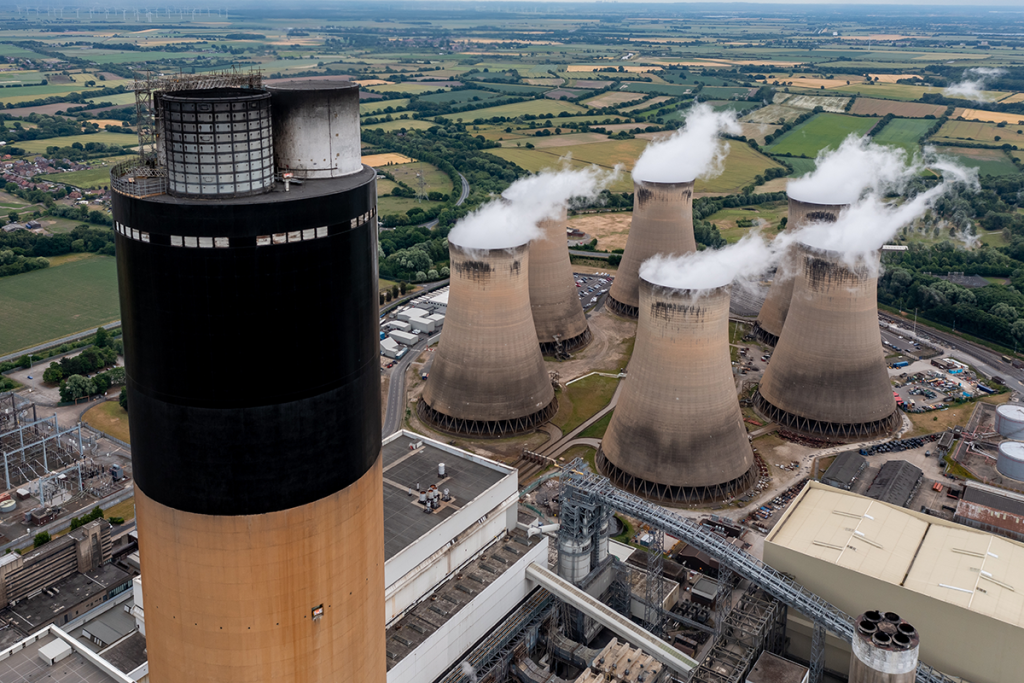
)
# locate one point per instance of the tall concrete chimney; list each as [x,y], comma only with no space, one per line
[776,305]
[677,433]
[488,378]
[885,649]
[827,378]
[557,312]
[662,224]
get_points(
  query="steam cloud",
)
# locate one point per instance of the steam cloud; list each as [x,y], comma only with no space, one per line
[512,220]
[856,166]
[973,84]
[694,151]
[741,263]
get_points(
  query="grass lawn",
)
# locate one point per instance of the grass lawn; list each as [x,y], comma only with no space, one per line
[820,132]
[988,161]
[726,219]
[597,430]
[993,239]
[125,510]
[435,180]
[109,417]
[586,452]
[903,133]
[581,400]
[57,301]
[534,107]
[97,176]
[940,420]
[107,138]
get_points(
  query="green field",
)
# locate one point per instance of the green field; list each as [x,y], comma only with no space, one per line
[58,301]
[726,219]
[460,96]
[535,107]
[887,91]
[973,131]
[375,106]
[820,132]
[120,98]
[514,88]
[801,166]
[107,138]
[410,87]
[408,124]
[98,176]
[987,161]
[903,133]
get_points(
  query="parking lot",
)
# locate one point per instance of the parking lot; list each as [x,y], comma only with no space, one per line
[591,287]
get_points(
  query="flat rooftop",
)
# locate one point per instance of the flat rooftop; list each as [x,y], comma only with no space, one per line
[466,478]
[997,499]
[32,614]
[949,562]
[25,665]
[447,599]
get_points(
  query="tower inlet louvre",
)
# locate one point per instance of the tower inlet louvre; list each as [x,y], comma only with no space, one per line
[557,312]
[677,433]
[827,378]
[251,494]
[488,377]
[776,305]
[662,224]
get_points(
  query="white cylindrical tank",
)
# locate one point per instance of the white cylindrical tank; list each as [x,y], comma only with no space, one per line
[1011,460]
[440,469]
[1010,421]
[316,128]
[574,559]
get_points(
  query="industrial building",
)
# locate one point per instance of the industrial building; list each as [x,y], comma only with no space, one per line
[896,483]
[956,583]
[677,433]
[827,378]
[844,470]
[557,312]
[991,509]
[488,377]
[662,223]
[775,308]
[255,216]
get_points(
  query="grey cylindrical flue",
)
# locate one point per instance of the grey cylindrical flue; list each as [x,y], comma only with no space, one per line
[557,312]
[677,433]
[316,128]
[827,378]
[662,224]
[885,649]
[488,376]
[776,304]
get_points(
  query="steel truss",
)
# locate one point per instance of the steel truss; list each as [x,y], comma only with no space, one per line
[764,336]
[676,495]
[32,449]
[567,346]
[654,590]
[831,431]
[623,309]
[576,480]
[488,429]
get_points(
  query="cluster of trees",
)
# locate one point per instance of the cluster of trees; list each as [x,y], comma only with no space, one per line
[789,125]
[46,127]
[414,254]
[78,386]
[76,151]
[75,97]
[93,515]
[28,251]
[13,264]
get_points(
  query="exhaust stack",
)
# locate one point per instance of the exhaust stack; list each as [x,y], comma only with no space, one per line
[885,649]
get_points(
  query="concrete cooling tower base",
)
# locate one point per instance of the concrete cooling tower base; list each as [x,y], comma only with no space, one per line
[623,309]
[829,431]
[764,336]
[488,429]
[676,495]
[567,346]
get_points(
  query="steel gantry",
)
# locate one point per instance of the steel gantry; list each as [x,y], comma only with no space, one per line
[592,486]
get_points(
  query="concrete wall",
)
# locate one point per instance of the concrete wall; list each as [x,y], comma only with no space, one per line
[557,311]
[445,646]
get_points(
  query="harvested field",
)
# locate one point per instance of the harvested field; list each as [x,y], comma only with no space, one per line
[1016,97]
[973,131]
[827,83]
[611,99]
[610,229]
[535,107]
[373,81]
[583,83]
[633,68]
[866,106]
[654,101]
[561,140]
[553,82]
[892,78]
[565,94]
[834,105]
[773,113]
[757,131]
[992,116]
[388,159]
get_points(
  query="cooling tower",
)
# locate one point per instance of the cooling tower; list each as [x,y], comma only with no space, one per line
[488,377]
[662,224]
[677,433]
[827,378]
[251,495]
[885,649]
[557,312]
[776,305]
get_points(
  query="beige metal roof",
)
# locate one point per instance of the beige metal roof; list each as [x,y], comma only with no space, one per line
[958,565]
[853,532]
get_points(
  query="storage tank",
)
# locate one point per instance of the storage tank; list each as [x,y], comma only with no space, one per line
[1010,421]
[217,142]
[662,224]
[557,312]
[776,305]
[316,128]
[488,377]
[827,378]
[677,433]
[885,649]
[1011,460]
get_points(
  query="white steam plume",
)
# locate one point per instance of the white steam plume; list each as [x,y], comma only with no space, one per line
[694,151]
[973,84]
[857,165]
[512,220]
[741,263]
[867,224]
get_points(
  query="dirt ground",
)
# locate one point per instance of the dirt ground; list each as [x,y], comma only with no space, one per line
[607,351]
[610,229]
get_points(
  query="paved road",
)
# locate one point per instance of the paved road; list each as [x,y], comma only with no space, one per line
[462,197]
[396,390]
[589,254]
[58,342]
